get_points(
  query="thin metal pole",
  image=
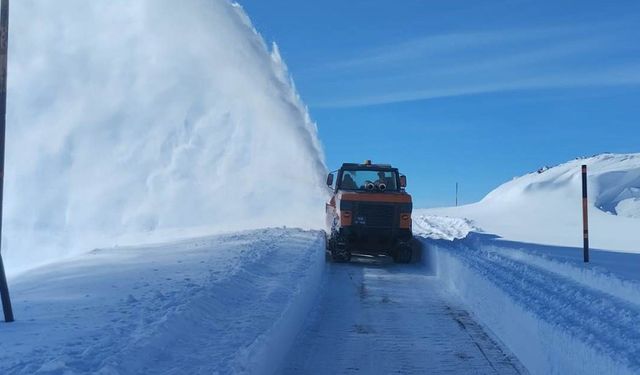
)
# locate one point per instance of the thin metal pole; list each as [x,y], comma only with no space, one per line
[456,194]
[585,215]
[4,51]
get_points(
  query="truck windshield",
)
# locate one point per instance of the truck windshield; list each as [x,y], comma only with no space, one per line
[369,180]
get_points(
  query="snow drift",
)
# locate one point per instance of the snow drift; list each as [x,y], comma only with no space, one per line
[545,207]
[223,304]
[131,121]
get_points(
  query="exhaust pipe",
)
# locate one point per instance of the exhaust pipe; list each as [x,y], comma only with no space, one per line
[370,186]
[382,187]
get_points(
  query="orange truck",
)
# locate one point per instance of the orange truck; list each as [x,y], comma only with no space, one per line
[369,213]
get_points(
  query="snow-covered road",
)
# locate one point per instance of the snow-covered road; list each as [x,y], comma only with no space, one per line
[265,302]
[241,303]
[377,317]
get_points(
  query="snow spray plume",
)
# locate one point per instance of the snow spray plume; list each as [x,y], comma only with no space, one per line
[147,120]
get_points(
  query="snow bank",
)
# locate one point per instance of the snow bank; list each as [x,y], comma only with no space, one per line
[442,227]
[221,304]
[612,273]
[545,208]
[136,121]
[629,207]
[555,317]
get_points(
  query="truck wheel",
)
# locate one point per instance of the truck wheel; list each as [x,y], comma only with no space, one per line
[417,247]
[339,253]
[402,253]
[327,242]
[337,250]
[341,257]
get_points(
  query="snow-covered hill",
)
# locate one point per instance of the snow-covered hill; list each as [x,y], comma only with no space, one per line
[517,254]
[545,207]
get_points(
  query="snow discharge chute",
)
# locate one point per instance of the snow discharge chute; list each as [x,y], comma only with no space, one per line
[147,120]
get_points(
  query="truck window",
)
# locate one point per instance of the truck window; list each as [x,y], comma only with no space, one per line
[358,179]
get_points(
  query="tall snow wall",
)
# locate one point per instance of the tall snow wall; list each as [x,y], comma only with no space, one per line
[147,120]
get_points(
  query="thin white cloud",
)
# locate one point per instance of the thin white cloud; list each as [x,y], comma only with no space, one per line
[448,43]
[619,76]
[474,63]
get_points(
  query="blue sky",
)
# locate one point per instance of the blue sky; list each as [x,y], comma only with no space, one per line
[475,92]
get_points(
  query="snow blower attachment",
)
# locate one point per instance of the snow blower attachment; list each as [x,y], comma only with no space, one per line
[369,213]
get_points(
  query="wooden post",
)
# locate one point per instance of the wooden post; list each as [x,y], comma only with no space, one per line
[585,215]
[4,43]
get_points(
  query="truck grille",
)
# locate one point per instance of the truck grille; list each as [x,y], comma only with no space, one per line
[375,215]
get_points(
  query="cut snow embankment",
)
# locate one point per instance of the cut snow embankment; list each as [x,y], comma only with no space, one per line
[222,304]
[553,323]
[556,314]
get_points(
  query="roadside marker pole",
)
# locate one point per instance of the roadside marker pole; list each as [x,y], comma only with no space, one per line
[585,215]
[4,42]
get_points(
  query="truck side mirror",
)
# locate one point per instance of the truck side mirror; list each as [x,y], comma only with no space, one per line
[403,181]
[330,179]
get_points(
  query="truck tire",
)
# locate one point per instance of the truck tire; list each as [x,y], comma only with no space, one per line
[417,247]
[342,257]
[327,242]
[337,250]
[402,253]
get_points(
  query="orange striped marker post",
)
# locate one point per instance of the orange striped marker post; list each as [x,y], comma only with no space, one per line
[585,214]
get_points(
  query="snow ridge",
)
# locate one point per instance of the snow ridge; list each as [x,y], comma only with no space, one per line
[537,313]
[442,227]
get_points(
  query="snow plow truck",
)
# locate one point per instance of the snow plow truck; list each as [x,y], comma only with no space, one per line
[369,213]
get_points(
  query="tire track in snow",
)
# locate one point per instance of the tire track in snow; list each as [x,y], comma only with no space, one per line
[384,318]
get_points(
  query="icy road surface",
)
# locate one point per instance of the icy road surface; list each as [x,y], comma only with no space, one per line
[377,317]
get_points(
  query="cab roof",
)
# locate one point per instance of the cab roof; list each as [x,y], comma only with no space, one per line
[367,164]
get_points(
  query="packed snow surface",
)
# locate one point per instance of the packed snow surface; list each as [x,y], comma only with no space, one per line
[136,121]
[221,304]
[376,317]
[546,208]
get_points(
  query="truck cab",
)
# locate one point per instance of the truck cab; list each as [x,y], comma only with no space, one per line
[369,212]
